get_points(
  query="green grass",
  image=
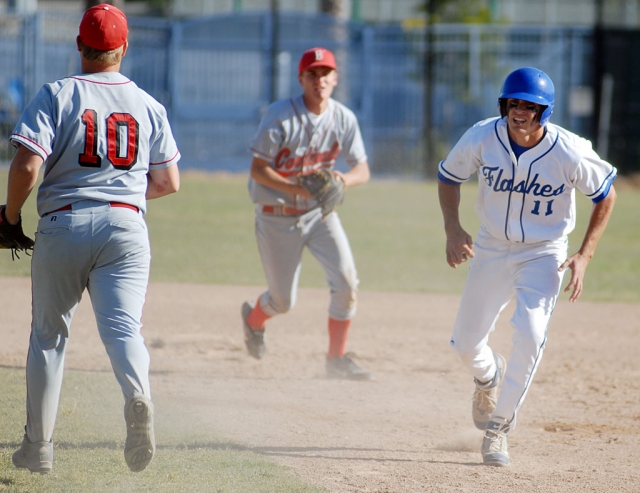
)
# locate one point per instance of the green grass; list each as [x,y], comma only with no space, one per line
[87,457]
[204,234]
[614,272]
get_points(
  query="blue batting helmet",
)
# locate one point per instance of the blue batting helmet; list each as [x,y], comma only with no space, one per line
[528,84]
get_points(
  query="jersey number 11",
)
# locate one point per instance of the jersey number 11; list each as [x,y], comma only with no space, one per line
[536,208]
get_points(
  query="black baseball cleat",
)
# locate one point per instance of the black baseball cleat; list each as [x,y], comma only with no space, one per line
[255,340]
[343,367]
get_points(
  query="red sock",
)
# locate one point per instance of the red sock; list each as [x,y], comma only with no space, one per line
[257,317]
[338,333]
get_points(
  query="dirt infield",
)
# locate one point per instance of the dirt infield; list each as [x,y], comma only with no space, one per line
[410,430]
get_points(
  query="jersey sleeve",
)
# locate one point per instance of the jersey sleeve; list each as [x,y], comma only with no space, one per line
[594,175]
[269,137]
[164,150]
[353,144]
[36,127]
[463,160]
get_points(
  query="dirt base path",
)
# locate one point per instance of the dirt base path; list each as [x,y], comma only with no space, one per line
[410,430]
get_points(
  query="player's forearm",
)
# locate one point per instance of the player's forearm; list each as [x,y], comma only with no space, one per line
[264,174]
[162,182]
[449,196]
[358,175]
[598,221]
[23,176]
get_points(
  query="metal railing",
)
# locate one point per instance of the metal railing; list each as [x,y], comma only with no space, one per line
[214,75]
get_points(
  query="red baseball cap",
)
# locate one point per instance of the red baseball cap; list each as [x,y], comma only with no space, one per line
[104,27]
[317,57]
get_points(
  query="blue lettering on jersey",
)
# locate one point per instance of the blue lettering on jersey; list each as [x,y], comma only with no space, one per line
[498,184]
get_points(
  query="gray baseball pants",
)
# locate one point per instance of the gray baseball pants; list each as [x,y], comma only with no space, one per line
[104,250]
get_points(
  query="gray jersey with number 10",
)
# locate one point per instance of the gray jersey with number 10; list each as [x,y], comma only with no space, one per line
[73,122]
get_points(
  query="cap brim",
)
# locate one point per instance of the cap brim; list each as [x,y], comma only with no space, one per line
[319,64]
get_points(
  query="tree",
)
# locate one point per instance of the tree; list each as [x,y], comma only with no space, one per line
[458,11]
[337,8]
[92,3]
[341,10]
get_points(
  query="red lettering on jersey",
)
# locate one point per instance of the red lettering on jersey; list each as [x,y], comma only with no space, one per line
[283,154]
[89,158]
[288,166]
[122,136]
[123,155]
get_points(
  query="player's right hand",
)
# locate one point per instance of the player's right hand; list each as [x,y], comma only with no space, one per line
[459,247]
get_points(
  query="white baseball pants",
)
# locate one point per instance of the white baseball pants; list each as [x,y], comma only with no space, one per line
[499,271]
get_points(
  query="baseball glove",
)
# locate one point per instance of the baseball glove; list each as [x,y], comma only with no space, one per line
[12,237]
[326,187]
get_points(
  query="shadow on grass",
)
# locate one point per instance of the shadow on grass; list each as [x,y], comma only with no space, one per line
[300,452]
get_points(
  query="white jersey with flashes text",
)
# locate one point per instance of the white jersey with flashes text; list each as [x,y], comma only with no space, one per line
[530,199]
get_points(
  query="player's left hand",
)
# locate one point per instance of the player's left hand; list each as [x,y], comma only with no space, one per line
[11,235]
[578,265]
[326,187]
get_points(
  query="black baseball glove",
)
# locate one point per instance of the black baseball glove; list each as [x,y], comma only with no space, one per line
[12,237]
[326,187]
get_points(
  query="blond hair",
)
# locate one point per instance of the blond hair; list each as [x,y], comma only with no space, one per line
[106,58]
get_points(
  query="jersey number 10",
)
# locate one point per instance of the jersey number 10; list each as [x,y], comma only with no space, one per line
[122,140]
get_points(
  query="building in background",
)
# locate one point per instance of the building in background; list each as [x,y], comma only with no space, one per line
[216,71]
[621,13]
[547,12]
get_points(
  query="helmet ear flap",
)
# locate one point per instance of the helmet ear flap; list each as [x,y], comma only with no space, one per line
[502,106]
[543,113]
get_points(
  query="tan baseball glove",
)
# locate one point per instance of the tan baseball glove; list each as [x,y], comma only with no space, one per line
[326,187]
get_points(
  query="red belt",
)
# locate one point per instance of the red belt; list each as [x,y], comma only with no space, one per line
[112,204]
[282,210]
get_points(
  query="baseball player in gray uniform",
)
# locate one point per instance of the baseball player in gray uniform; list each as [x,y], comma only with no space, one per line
[107,148]
[528,170]
[295,137]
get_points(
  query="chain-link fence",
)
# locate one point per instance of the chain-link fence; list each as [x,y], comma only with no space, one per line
[216,75]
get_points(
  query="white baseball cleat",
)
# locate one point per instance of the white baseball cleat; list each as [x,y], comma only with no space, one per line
[494,444]
[343,367]
[485,397]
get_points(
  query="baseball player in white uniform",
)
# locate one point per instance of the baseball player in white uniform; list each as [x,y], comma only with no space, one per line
[107,148]
[297,136]
[528,170]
